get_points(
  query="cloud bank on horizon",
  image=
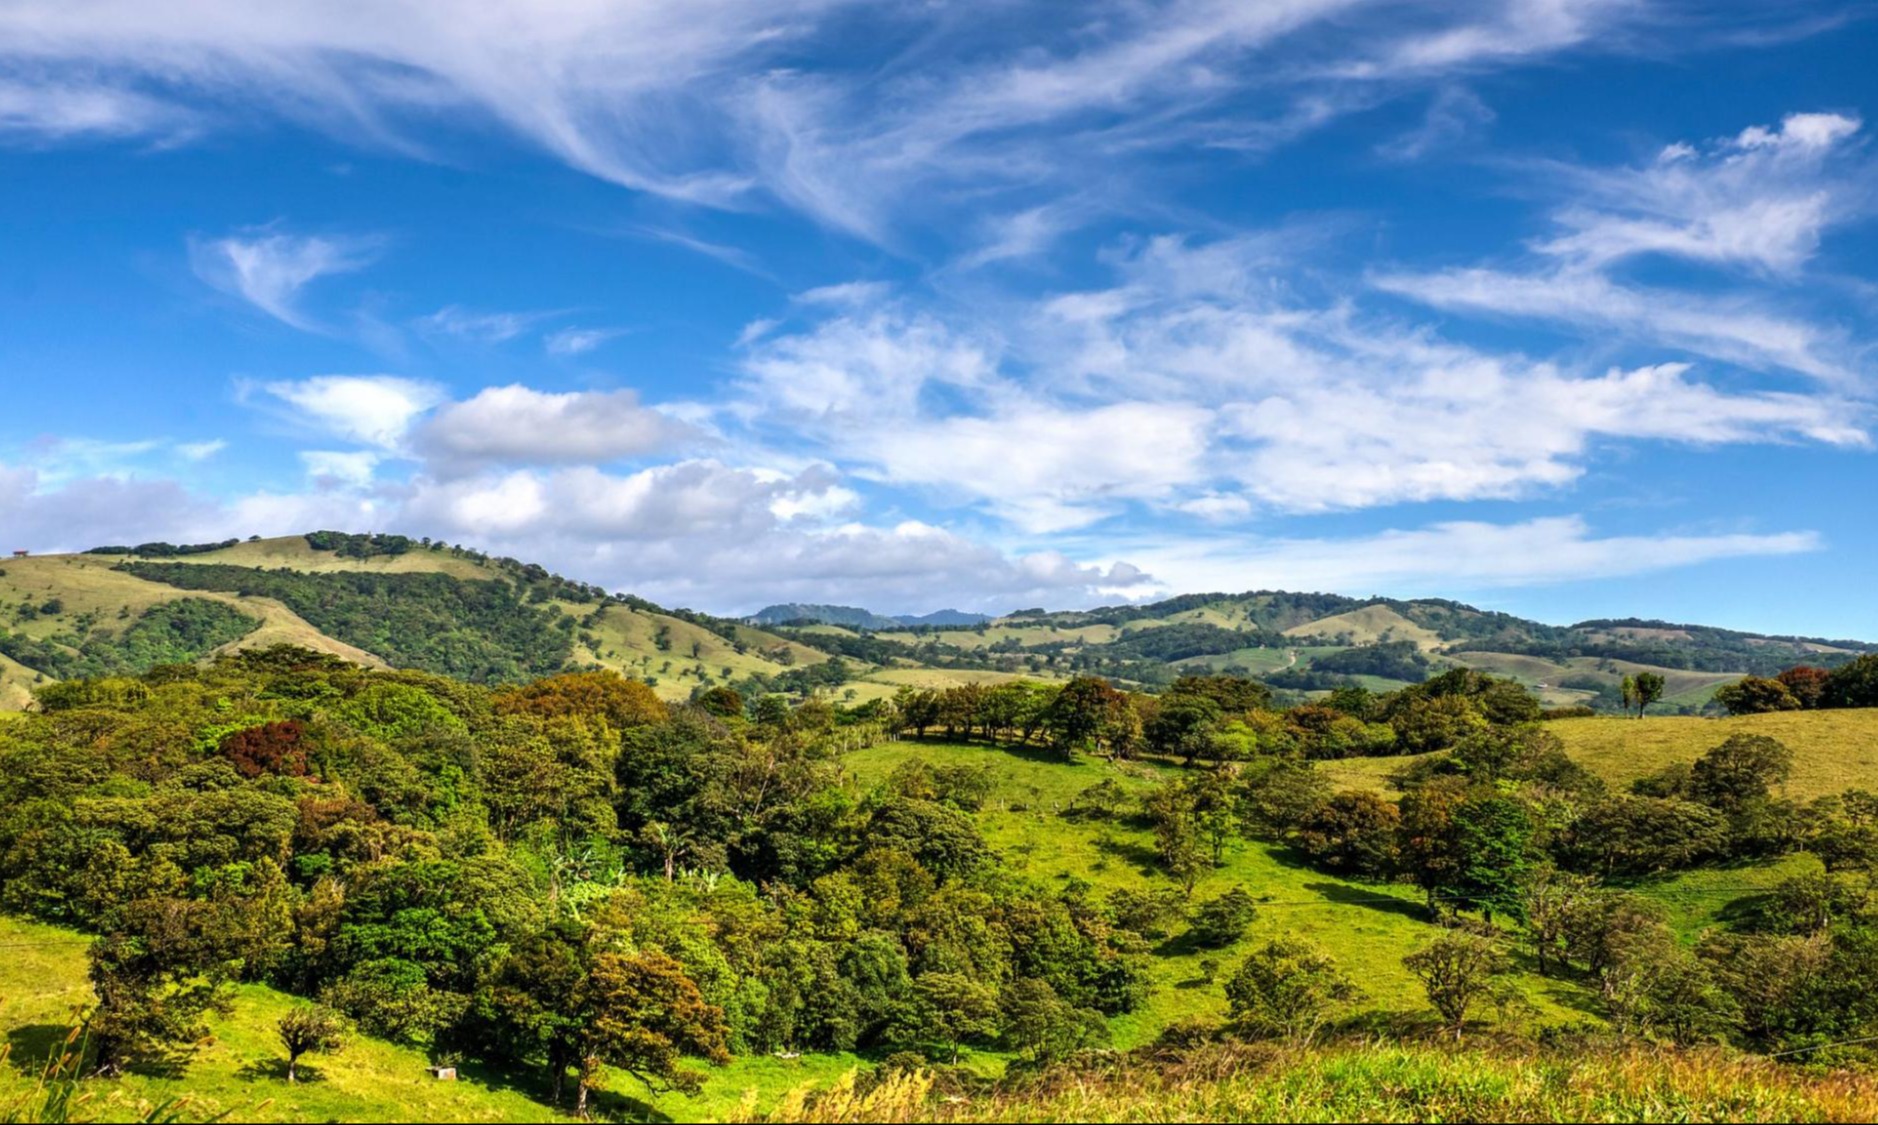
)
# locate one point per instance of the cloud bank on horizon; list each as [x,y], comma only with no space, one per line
[1563,305]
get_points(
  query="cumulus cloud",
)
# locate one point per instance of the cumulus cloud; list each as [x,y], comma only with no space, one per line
[375,410]
[517,424]
[269,269]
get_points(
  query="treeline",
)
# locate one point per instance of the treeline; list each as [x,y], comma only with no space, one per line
[1219,718]
[162,550]
[560,876]
[485,632]
[1804,687]
[1696,648]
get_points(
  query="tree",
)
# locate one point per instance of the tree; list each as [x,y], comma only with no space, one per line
[1649,688]
[1287,988]
[1553,901]
[1221,921]
[1044,1027]
[1740,771]
[958,1009]
[1755,695]
[155,977]
[1075,717]
[1457,970]
[1177,833]
[1353,834]
[1807,683]
[308,1029]
[643,1015]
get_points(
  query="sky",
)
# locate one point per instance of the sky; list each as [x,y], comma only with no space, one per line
[1561,307]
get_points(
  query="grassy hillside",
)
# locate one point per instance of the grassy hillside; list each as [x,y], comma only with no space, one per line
[1832,750]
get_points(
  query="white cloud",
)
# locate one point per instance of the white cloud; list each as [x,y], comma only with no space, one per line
[482,328]
[352,468]
[517,424]
[709,100]
[375,410]
[1198,385]
[1452,115]
[1761,199]
[201,450]
[1731,328]
[64,111]
[1446,559]
[268,270]
[578,341]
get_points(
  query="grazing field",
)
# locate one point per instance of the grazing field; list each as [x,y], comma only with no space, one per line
[1367,927]
[1369,625]
[1832,750]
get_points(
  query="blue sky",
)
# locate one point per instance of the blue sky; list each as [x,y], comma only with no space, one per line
[1563,307]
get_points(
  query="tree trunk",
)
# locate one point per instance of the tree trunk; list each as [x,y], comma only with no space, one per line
[293,1069]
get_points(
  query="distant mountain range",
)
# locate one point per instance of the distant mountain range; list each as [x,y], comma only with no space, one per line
[854,617]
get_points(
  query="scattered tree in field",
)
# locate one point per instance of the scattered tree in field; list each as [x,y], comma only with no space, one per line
[1287,989]
[1457,971]
[1649,688]
[1853,685]
[1221,921]
[308,1029]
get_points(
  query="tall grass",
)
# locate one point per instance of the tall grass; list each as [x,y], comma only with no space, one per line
[1372,1083]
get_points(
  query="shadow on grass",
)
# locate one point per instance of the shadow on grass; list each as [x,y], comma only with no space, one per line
[1348,894]
[1144,858]
[35,1045]
[275,1070]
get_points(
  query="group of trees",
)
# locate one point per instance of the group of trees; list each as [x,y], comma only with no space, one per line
[1217,718]
[566,875]
[1804,687]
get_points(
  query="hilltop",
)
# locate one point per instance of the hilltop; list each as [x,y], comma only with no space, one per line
[388,600]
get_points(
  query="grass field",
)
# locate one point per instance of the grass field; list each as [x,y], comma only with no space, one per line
[1369,625]
[1832,750]
[1367,927]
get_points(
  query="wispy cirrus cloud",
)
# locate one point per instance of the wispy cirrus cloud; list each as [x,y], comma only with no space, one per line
[269,268]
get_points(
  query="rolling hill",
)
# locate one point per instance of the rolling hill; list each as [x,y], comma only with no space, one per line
[389,600]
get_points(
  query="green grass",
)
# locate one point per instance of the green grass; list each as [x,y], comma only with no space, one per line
[1367,927]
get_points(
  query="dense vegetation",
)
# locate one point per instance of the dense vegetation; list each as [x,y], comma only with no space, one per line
[570,879]
[174,632]
[475,630]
